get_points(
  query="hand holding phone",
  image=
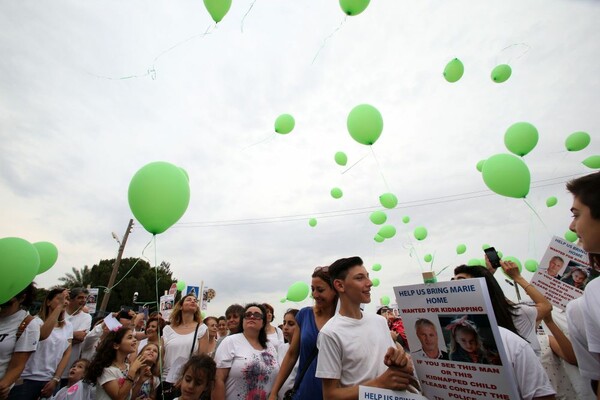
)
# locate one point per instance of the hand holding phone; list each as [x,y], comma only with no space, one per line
[492,256]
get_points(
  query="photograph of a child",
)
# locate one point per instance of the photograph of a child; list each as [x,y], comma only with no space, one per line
[576,275]
[469,339]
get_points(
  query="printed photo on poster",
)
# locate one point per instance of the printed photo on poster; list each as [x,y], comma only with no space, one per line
[92,300]
[470,339]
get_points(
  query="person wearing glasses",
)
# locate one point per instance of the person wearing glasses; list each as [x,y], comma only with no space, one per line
[310,320]
[246,361]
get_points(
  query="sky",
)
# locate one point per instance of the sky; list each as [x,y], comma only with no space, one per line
[93,91]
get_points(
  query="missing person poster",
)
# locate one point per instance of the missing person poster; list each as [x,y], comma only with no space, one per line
[92,300]
[371,393]
[563,273]
[455,342]
[166,305]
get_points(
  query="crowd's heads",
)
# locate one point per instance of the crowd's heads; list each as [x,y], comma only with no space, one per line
[339,268]
[78,370]
[155,325]
[188,303]
[249,314]
[106,353]
[323,274]
[270,310]
[289,324]
[78,297]
[198,377]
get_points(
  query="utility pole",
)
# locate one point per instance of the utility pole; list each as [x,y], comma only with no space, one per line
[113,275]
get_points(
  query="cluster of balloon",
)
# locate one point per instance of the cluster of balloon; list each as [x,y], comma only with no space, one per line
[460,249]
[454,70]
[521,138]
[312,222]
[592,162]
[571,236]
[376,267]
[513,259]
[284,124]
[354,7]
[420,233]
[217,8]
[577,141]
[385,300]
[506,175]
[181,285]
[365,124]
[48,255]
[298,291]
[531,265]
[341,158]
[551,201]
[159,194]
[501,73]
[336,193]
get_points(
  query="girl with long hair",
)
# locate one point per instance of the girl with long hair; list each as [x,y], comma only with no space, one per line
[198,378]
[289,330]
[274,334]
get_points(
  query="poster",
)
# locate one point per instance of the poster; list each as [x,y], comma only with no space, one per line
[372,393]
[455,341]
[563,273]
[92,300]
[166,305]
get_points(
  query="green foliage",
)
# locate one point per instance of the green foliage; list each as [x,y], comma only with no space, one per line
[79,278]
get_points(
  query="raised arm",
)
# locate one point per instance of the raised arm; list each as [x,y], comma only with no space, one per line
[542,304]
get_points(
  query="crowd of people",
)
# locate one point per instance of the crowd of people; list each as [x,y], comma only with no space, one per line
[325,351]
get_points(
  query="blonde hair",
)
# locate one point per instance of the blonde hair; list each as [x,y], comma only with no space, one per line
[176,318]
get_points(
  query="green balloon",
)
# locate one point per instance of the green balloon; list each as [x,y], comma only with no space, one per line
[284,124]
[387,231]
[500,254]
[354,7]
[406,219]
[551,201]
[420,233]
[521,138]
[341,158]
[376,267]
[485,246]
[592,162]
[19,264]
[571,236]
[312,222]
[336,193]
[385,300]
[375,282]
[454,70]
[577,141]
[428,258]
[378,238]
[461,248]
[365,124]
[298,291]
[479,165]
[48,255]
[217,8]
[507,175]
[186,174]
[475,262]
[531,265]
[159,194]
[513,259]
[388,200]
[181,285]
[501,73]
[378,217]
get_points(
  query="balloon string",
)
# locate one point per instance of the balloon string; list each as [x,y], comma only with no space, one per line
[271,136]
[537,215]
[160,358]
[413,252]
[130,269]
[327,38]
[514,45]
[352,166]
[380,170]
[245,15]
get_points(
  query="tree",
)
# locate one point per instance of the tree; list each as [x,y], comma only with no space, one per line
[79,278]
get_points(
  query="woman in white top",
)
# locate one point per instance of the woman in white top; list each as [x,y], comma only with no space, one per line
[210,346]
[274,334]
[43,370]
[246,362]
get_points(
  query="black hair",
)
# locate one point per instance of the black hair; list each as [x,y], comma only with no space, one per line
[292,311]
[586,190]
[204,363]
[234,309]
[262,334]
[105,354]
[339,268]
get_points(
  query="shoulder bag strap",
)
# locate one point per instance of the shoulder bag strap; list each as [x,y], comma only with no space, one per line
[23,326]
[194,341]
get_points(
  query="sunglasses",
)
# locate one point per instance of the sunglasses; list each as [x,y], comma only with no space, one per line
[324,269]
[253,315]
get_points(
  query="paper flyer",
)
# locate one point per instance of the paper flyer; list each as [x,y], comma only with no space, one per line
[455,342]
[166,305]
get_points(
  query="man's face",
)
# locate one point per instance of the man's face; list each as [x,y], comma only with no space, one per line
[357,285]
[79,300]
[554,267]
[428,337]
[586,227]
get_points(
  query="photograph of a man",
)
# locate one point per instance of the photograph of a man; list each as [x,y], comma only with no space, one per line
[428,336]
[554,266]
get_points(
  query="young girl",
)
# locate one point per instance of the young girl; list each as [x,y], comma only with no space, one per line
[109,371]
[148,376]
[198,378]
[75,389]
[466,344]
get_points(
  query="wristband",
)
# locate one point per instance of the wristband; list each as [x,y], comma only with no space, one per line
[129,378]
[56,379]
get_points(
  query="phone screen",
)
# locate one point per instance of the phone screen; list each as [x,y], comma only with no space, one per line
[492,255]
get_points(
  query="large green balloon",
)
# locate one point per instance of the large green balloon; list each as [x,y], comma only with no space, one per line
[385,300]
[577,141]
[428,258]
[378,238]
[479,165]
[341,158]
[406,219]
[284,124]
[378,217]
[159,194]
[19,264]
[454,70]
[501,73]
[375,282]
[298,291]
[531,265]
[48,255]
[420,233]
[592,162]
[354,7]
[551,201]
[181,285]
[387,231]
[521,138]
[461,248]
[388,200]
[365,124]
[312,222]
[217,8]
[376,267]
[336,193]
[507,175]
[571,236]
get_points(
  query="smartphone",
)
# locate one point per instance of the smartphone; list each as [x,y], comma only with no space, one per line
[492,255]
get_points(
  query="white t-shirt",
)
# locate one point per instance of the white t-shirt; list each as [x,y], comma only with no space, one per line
[90,343]
[108,374]
[352,350]
[524,321]
[42,364]
[252,372]
[178,347]
[276,338]
[8,337]
[588,362]
[529,374]
[78,391]
[591,312]
[289,382]
[81,321]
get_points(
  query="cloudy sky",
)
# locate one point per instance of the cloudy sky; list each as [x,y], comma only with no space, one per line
[80,113]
